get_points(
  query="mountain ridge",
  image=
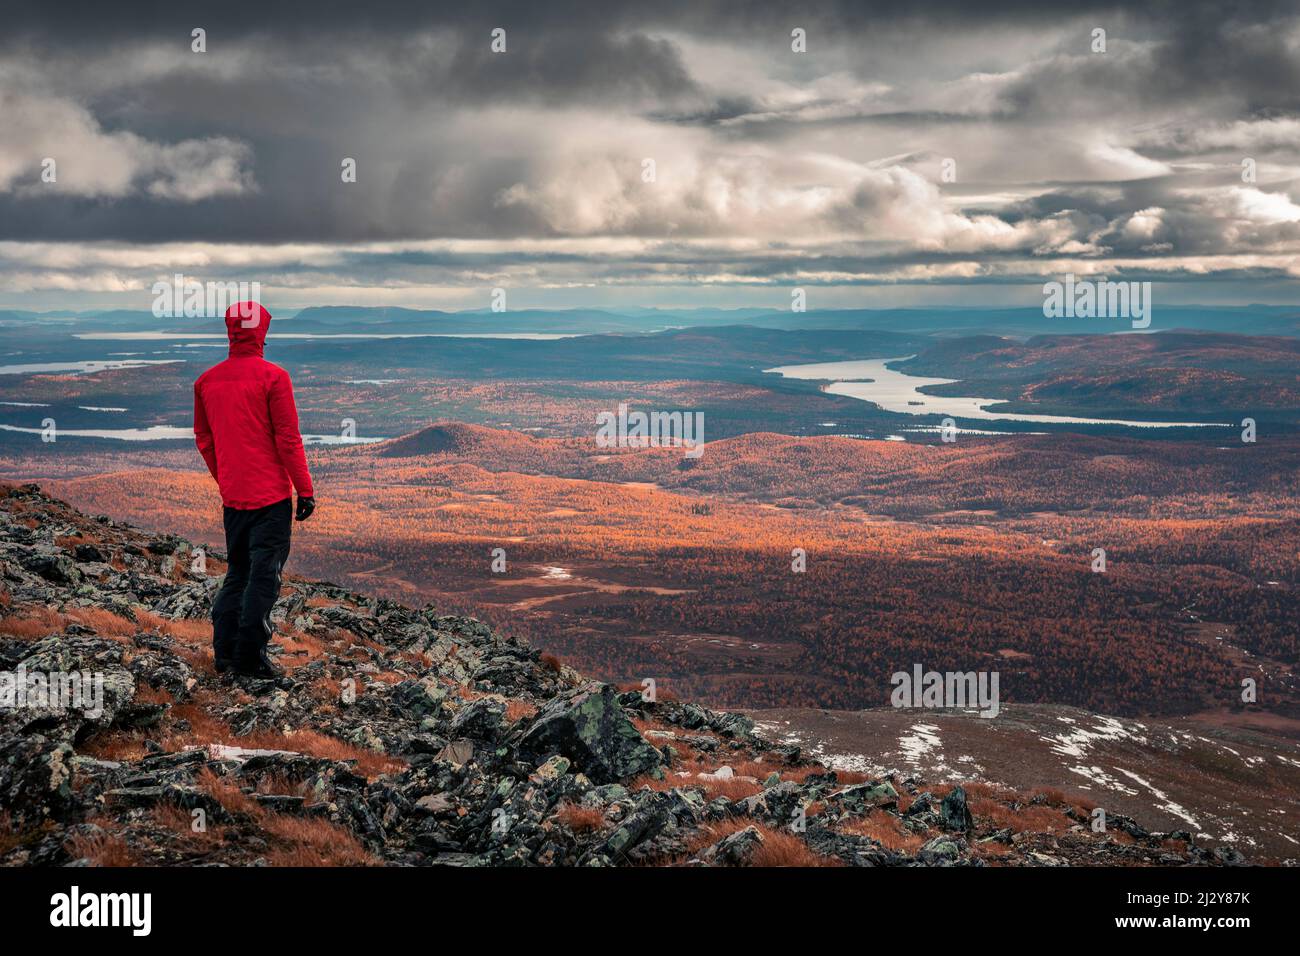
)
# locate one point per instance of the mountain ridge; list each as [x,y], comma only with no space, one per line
[405,737]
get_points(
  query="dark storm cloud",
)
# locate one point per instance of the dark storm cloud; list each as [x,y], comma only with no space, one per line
[93,21]
[824,166]
[1212,62]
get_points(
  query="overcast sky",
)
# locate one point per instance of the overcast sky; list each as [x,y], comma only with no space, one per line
[527,169]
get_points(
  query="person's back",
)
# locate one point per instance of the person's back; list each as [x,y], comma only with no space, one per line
[246,429]
[245,420]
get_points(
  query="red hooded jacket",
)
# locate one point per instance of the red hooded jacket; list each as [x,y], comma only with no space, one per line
[245,420]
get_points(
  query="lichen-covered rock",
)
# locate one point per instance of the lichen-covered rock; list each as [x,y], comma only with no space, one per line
[954,814]
[56,567]
[479,719]
[35,779]
[941,851]
[591,729]
[860,796]
[736,849]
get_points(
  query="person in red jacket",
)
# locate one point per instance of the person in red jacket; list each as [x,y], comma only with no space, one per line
[246,429]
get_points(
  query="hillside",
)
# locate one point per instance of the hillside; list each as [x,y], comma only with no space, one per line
[1172,370]
[626,563]
[1031,474]
[1232,786]
[404,736]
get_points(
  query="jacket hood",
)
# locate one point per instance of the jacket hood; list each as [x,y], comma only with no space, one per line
[246,327]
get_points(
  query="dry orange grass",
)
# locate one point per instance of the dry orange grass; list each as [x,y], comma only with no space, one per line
[388,677]
[580,819]
[850,777]
[103,849]
[196,633]
[200,661]
[9,837]
[299,841]
[315,744]
[749,768]
[328,691]
[887,830]
[777,849]
[32,624]
[104,623]
[198,712]
[37,622]
[314,842]
[975,788]
[992,852]
[1051,794]
[661,692]
[275,783]
[519,709]
[761,770]
[299,647]
[731,789]
[114,747]
[203,728]
[1041,819]
[1079,802]
[181,823]
[232,799]
[145,694]
[131,745]
[1054,796]
[650,723]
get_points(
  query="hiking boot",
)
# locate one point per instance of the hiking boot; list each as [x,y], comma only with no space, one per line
[259,666]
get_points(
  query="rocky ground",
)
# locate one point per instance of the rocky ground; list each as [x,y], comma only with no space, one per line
[1229,785]
[405,737]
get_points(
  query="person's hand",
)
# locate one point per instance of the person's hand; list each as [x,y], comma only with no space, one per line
[305,507]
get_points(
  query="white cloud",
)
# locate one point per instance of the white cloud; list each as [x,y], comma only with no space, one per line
[92,162]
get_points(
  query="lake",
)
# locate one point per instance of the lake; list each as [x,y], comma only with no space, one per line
[896,391]
[78,368]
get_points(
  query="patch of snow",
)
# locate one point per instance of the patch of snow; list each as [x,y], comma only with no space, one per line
[227,752]
[1079,742]
[1102,779]
[1167,804]
[922,742]
[970,763]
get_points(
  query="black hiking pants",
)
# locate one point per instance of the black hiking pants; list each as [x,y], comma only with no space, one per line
[257,545]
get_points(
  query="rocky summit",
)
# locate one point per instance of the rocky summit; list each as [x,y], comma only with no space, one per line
[402,736]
